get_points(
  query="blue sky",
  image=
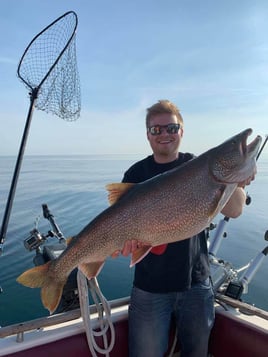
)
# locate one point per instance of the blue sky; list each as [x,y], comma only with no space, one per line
[209,57]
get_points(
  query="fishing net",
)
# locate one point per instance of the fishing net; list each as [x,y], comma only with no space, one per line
[48,68]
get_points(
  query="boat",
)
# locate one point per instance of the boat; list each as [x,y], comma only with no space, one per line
[101,328]
[80,329]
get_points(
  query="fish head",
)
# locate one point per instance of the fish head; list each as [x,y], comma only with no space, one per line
[234,160]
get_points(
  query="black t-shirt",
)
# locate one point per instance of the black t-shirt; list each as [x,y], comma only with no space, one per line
[183,263]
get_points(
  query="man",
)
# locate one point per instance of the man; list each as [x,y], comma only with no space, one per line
[172,279]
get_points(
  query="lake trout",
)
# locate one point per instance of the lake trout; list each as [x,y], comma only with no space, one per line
[169,207]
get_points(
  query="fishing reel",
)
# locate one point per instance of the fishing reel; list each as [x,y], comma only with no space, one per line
[226,279]
[46,252]
[36,239]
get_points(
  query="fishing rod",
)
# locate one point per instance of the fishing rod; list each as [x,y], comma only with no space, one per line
[219,234]
[262,147]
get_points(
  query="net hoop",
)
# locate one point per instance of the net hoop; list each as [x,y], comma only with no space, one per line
[48,67]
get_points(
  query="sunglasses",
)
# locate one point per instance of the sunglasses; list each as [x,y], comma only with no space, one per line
[158,129]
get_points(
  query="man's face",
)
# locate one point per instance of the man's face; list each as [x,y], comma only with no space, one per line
[165,146]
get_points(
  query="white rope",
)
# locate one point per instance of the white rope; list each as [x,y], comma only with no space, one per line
[104,315]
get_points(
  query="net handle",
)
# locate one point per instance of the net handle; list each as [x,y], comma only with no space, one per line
[57,60]
[15,177]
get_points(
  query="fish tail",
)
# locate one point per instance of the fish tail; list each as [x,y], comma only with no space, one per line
[39,277]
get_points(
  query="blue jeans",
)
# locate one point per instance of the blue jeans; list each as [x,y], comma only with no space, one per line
[150,316]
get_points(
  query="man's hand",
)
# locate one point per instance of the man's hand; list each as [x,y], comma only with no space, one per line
[234,207]
[248,180]
[129,247]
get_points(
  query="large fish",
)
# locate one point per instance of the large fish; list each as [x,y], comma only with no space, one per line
[169,207]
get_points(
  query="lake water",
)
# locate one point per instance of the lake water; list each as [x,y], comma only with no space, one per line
[73,187]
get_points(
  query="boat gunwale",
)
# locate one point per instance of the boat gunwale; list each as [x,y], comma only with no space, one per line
[47,321]
[56,319]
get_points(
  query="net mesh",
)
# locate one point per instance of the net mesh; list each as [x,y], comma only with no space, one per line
[49,67]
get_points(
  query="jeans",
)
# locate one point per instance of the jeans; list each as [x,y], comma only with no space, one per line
[150,316]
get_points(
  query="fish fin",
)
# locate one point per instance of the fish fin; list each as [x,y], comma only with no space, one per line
[68,240]
[51,295]
[51,290]
[221,197]
[139,254]
[90,270]
[34,277]
[116,190]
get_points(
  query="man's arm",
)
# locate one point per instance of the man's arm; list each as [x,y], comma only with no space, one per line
[234,207]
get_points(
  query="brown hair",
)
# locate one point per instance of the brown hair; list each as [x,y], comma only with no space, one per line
[163,106]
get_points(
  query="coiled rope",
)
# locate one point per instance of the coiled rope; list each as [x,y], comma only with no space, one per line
[104,315]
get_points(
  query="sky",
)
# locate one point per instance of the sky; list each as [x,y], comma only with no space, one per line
[209,57]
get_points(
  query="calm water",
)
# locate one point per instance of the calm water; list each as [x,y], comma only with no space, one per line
[74,190]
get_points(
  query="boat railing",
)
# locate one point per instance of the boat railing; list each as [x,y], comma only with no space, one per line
[76,314]
[243,307]
[54,319]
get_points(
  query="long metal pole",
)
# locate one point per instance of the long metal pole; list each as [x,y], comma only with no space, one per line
[17,170]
